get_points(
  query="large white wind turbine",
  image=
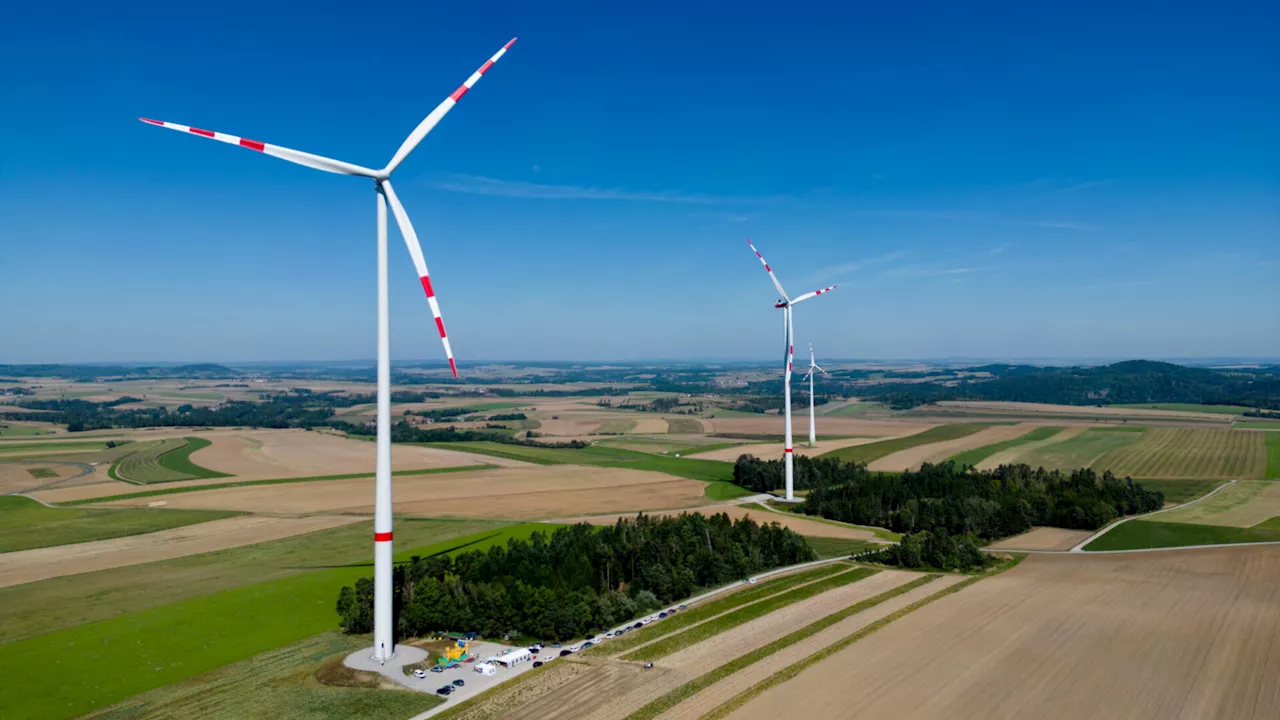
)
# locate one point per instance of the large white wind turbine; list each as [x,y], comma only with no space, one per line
[813,434]
[383,638]
[786,304]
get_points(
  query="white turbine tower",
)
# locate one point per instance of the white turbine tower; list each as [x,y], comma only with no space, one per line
[383,639]
[813,434]
[786,304]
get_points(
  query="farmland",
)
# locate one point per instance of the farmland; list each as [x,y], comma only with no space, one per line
[1147,534]
[874,451]
[980,652]
[1189,453]
[1079,451]
[978,454]
[164,461]
[26,524]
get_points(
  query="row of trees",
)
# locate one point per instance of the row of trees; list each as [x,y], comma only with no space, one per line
[576,580]
[403,432]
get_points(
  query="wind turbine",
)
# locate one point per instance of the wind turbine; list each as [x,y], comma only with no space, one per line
[813,437]
[785,304]
[383,639]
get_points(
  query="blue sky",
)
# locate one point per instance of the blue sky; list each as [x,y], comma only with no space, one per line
[985,180]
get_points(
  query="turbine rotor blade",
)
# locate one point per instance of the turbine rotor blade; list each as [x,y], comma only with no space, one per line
[769,270]
[419,264]
[441,110]
[814,294]
[319,162]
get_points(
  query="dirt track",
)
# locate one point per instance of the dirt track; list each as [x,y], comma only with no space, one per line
[529,492]
[1189,634]
[30,565]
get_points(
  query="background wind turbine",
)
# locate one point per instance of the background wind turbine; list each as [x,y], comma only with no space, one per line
[813,435]
[785,304]
[383,637]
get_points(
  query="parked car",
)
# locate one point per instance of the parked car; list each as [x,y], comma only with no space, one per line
[537,663]
[637,626]
[648,666]
[444,690]
[751,580]
[661,615]
[420,673]
[565,652]
[555,645]
[437,669]
[684,607]
[459,682]
[575,648]
[586,645]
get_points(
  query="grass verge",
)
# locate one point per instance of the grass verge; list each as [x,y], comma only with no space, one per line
[1179,491]
[698,633]
[797,509]
[26,524]
[795,669]
[279,481]
[1146,534]
[723,490]
[702,682]
[874,451]
[704,611]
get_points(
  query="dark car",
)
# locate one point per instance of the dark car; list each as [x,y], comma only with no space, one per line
[555,645]
[459,682]
[637,626]
[565,652]
[445,690]
[587,644]
[537,663]
[662,614]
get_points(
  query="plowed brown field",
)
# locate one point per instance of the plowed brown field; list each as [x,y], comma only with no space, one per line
[1142,636]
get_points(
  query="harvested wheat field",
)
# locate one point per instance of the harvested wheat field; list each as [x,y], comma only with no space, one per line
[1190,634]
[1012,455]
[26,566]
[912,458]
[16,477]
[271,454]
[799,523]
[529,492]
[1189,453]
[1240,504]
[1043,538]
[827,426]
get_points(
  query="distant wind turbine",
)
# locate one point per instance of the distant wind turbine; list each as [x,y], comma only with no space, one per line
[813,435]
[383,635]
[785,304]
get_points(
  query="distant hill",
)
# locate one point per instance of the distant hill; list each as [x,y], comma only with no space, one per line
[90,373]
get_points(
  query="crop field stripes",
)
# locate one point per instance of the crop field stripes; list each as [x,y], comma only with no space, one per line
[715,609]
[876,450]
[166,460]
[956,585]
[977,455]
[698,633]
[674,698]
[1189,453]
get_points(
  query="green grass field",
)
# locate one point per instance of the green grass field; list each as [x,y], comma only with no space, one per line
[26,524]
[165,461]
[72,671]
[278,481]
[1143,534]
[859,408]
[724,490]
[1257,425]
[1179,491]
[874,451]
[705,610]
[1079,451]
[839,547]
[42,473]
[1273,456]
[279,683]
[698,633]
[22,430]
[52,446]
[1188,407]
[616,427]
[882,533]
[977,455]
[1189,453]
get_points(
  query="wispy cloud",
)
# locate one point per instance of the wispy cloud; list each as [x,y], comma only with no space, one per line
[975,216]
[479,185]
[1116,284]
[832,272]
[924,271]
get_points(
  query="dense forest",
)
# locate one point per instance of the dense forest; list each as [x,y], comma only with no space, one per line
[945,508]
[578,580]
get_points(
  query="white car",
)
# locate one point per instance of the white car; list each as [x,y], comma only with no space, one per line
[420,674]
[575,648]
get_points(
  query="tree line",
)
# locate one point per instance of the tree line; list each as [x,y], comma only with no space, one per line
[403,432]
[577,579]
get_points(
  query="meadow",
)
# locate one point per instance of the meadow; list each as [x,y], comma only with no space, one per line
[71,671]
[1273,456]
[1147,534]
[1188,407]
[1081,450]
[874,451]
[26,524]
[1177,490]
[601,456]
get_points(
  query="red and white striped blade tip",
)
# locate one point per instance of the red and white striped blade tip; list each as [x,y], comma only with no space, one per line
[510,43]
